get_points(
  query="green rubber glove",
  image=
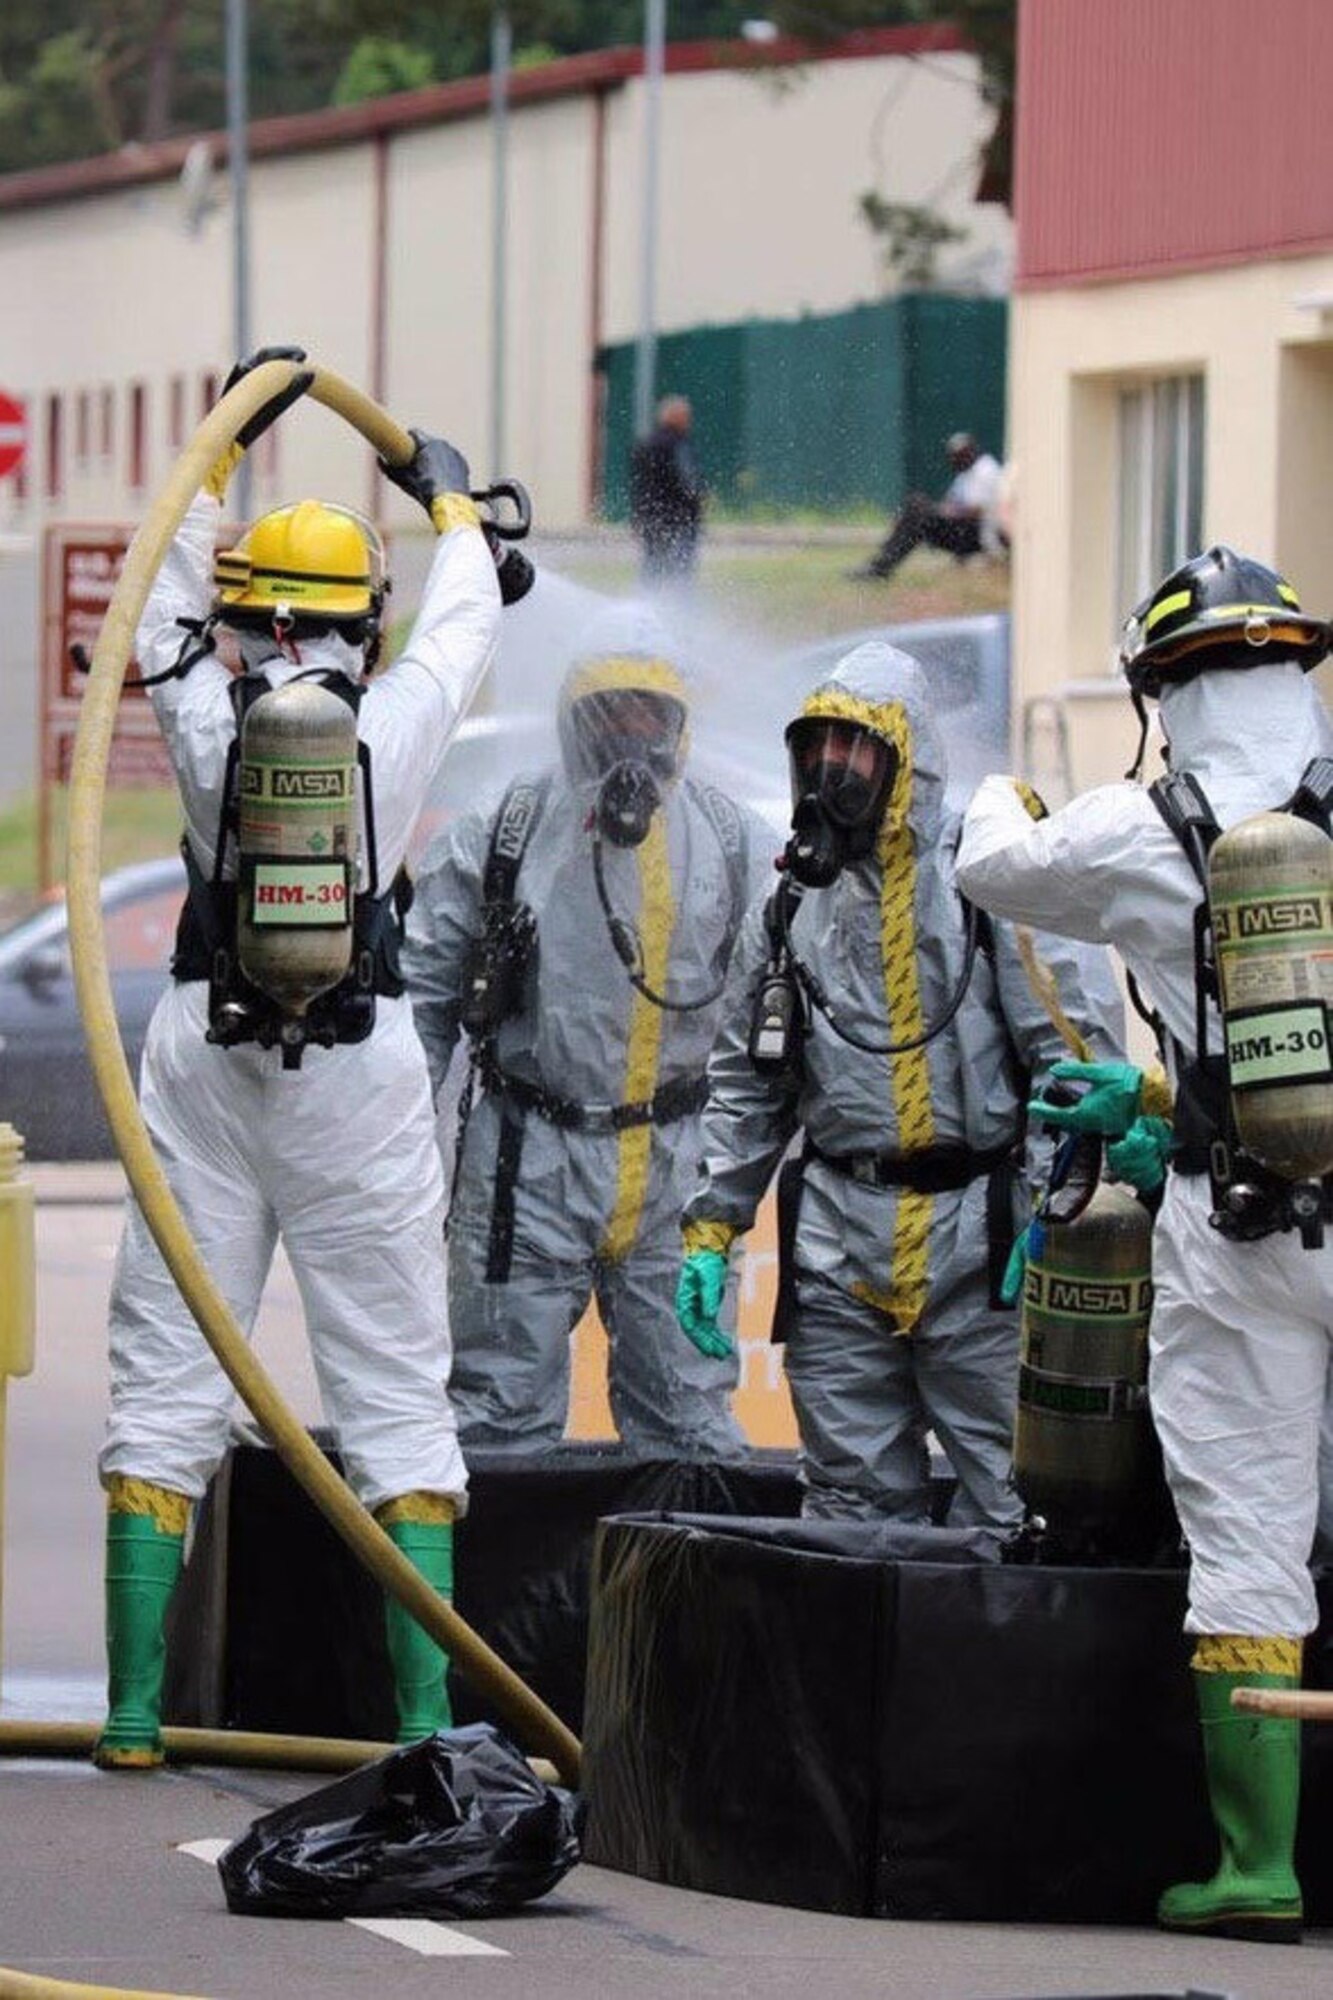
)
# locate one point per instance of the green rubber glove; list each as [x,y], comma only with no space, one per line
[1108,1106]
[1140,1157]
[703,1280]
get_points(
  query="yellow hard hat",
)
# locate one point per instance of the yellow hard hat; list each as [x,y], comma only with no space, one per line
[311,560]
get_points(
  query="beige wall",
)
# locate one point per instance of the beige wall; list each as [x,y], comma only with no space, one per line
[760,181]
[759,186]
[1267,364]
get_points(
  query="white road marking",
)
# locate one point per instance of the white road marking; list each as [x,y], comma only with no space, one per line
[203,1850]
[417,1934]
[431,1940]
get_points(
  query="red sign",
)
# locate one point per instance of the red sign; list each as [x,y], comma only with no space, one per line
[80,569]
[13,434]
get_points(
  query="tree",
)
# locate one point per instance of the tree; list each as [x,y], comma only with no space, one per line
[86,76]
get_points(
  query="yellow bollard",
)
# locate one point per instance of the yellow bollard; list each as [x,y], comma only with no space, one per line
[17,1293]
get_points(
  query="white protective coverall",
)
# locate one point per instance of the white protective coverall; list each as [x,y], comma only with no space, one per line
[894,1331]
[596,1210]
[337,1157]
[1239,1346]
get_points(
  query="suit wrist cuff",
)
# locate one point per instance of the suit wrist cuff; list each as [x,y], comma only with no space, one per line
[453,510]
[717,1236]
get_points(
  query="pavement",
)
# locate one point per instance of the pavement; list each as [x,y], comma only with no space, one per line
[77,1183]
[109,1879]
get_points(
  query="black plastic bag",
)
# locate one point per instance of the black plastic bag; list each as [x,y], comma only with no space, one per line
[456,1825]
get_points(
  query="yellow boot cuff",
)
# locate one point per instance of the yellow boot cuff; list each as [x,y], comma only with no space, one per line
[436,1508]
[1238,1653]
[170,1512]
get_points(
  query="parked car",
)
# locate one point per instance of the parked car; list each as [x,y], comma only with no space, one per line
[46,1082]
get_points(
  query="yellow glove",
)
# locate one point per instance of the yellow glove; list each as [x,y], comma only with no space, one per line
[1034,805]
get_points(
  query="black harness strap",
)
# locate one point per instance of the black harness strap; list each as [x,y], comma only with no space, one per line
[511,830]
[1204,1131]
[500,1240]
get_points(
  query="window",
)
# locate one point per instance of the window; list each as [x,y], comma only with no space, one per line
[208,394]
[138,439]
[55,453]
[176,412]
[1161,483]
[107,423]
[83,429]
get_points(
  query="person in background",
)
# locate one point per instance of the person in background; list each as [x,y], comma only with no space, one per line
[966,521]
[579,933]
[1242,1321]
[666,494]
[336,1153]
[868,1010]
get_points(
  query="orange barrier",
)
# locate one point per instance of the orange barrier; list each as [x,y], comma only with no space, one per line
[762,1402]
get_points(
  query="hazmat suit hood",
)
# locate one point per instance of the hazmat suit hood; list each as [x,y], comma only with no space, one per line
[625,648]
[1246,734]
[886,691]
[329,653]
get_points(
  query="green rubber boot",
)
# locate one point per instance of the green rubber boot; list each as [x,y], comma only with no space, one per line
[1254,1771]
[419,1665]
[143,1561]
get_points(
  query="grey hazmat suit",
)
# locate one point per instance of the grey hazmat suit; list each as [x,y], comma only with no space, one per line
[1240,1338]
[337,1157]
[580,1144]
[894,1331]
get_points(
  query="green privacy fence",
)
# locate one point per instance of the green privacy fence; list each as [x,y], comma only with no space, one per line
[837,411]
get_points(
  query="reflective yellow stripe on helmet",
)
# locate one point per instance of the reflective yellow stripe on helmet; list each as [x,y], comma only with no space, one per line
[1179,600]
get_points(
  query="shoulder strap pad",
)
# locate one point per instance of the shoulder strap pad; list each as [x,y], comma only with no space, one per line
[1313,798]
[511,830]
[724,816]
[1183,804]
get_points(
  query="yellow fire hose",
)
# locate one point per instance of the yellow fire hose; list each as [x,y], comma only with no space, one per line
[531,1720]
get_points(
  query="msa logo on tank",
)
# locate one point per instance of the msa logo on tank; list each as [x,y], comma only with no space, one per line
[1270,893]
[297,840]
[292,783]
[1075,1297]
[1084,1452]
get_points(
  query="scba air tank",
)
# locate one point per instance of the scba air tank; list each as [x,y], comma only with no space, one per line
[1085,1456]
[1270,895]
[297,841]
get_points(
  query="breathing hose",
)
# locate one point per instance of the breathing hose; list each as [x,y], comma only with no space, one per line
[536,1726]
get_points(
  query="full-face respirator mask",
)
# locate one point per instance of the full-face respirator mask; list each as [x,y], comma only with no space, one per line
[841,778]
[632,739]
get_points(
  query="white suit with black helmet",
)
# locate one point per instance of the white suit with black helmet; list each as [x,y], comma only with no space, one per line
[1241,1331]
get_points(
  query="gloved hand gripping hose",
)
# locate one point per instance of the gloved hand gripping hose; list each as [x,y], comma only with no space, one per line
[532,1722]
